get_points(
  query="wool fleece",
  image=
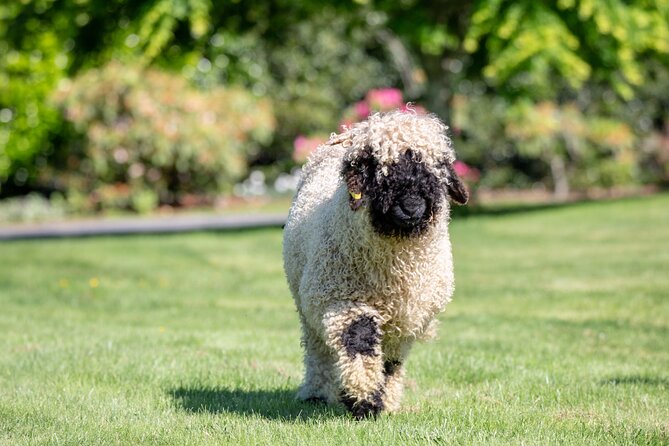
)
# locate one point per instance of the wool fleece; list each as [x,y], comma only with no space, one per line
[368,257]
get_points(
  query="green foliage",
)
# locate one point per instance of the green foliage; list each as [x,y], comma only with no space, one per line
[479,134]
[32,207]
[322,67]
[149,137]
[596,150]
[655,157]
[375,101]
[155,29]
[311,69]
[527,44]
[42,41]
[29,70]
[311,60]
[544,139]
[606,60]
[648,115]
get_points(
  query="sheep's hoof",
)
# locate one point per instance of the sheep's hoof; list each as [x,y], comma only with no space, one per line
[361,409]
[365,409]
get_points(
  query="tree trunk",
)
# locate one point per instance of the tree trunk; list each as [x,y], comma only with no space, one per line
[560,181]
[403,62]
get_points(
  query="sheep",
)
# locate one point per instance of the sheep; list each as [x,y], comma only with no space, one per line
[368,258]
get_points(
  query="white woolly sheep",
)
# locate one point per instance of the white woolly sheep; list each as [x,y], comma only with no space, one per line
[368,257]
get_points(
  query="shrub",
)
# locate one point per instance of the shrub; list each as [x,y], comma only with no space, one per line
[32,207]
[29,72]
[312,65]
[376,100]
[517,144]
[149,138]
[655,156]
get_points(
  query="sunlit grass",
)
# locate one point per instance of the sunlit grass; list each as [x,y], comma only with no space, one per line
[558,334]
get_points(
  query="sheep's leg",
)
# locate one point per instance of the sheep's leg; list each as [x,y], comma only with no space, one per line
[353,333]
[393,371]
[318,365]
[395,353]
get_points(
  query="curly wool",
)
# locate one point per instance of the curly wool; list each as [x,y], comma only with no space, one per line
[341,272]
[390,134]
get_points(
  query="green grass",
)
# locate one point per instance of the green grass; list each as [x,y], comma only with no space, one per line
[558,334]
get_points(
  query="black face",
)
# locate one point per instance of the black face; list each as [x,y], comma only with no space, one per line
[403,202]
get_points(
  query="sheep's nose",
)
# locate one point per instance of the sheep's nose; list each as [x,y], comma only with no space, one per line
[413,205]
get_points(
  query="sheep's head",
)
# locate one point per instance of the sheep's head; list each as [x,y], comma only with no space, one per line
[400,167]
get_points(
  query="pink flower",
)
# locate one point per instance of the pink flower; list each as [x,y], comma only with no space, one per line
[384,99]
[303,146]
[362,109]
[461,168]
[467,173]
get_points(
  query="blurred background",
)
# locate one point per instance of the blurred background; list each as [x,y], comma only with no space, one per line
[137,106]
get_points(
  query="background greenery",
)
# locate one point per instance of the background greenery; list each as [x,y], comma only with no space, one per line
[557,335]
[565,94]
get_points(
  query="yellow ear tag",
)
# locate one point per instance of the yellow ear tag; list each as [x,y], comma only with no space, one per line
[355,195]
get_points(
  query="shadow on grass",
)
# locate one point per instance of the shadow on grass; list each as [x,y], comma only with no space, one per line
[642,380]
[279,404]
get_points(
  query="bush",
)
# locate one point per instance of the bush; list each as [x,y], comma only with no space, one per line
[655,157]
[313,68]
[28,74]
[376,100]
[520,143]
[32,207]
[149,138]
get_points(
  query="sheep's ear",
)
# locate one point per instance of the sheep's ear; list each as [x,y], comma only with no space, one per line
[356,172]
[454,187]
[353,179]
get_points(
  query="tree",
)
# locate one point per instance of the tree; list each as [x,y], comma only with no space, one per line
[314,59]
[522,58]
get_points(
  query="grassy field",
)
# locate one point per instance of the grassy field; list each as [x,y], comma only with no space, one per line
[558,334]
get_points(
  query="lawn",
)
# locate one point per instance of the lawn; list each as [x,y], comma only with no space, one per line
[558,334]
